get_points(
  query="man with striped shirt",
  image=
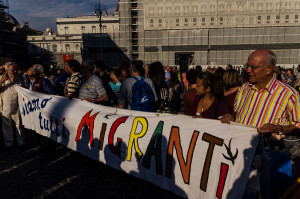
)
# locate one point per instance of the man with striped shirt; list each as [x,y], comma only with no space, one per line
[72,87]
[92,90]
[265,102]
[269,104]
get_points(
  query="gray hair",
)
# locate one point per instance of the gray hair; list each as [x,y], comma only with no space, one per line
[8,64]
[271,58]
[39,68]
[35,70]
[88,65]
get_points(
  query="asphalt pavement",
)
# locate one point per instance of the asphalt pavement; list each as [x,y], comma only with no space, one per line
[63,173]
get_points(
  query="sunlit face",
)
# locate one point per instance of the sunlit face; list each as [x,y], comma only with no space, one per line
[12,71]
[32,78]
[67,68]
[256,69]
[201,90]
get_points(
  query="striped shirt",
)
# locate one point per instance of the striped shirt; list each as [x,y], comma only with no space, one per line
[92,88]
[74,84]
[277,104]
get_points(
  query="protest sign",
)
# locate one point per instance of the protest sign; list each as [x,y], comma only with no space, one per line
[195,158]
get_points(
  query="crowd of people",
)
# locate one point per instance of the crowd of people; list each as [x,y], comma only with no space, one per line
[260,94]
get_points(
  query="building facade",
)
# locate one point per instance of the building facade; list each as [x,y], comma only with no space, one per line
[81,38]
[214,32]
[193,32]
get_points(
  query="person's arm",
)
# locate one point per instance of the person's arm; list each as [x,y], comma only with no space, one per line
[120,105]
[97,100]
[3,79]
[114,78]
[296,82]
[272,128]
[227,118]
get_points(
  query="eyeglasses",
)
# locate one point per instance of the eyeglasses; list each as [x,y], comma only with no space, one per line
[252,67]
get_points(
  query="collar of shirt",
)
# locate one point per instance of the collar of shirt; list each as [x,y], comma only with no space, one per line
[270,87]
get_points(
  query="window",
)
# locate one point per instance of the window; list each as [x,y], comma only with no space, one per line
[287,18]
[66,30]
[268,19]
[195,22]
[296,18]
[177,22]
[93,29]
[151,22]
[104,29]
[212,21]
[82,29]
[203,21]
[186,22]
[67,47]
[54,47]
[277,18]
[221,19]
[77,47]
[160,22]
[259,19]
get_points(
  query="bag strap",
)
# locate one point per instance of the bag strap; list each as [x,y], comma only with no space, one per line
[134,78]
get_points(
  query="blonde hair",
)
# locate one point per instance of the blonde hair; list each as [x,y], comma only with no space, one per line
[7,64]
[231,79]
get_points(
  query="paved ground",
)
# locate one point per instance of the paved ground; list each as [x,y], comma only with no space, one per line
[66,174]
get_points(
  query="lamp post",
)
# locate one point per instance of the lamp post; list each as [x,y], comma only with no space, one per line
[98,12]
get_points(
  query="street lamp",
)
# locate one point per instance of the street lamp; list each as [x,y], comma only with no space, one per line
[98,12]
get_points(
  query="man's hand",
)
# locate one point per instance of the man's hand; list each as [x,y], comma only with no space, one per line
[5,76]
[227,118]
[269,128]
[88,99]
[197,116]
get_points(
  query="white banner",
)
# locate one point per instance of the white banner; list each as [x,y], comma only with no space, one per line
[195,158]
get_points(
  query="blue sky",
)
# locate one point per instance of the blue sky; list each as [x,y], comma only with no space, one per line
[41,14]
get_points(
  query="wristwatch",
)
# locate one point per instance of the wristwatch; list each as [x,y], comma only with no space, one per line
[279,136]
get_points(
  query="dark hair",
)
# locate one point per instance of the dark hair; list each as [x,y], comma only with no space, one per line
[117,72]
[191,76]
[137,66]
[230,66]
[74,64]
[231,79]
[174,79]
[124,66]
[290,69]
[100,64]
[157,75]
[219,73]
[198,68]
[210,80]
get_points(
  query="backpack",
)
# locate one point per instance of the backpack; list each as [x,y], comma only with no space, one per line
[142,98]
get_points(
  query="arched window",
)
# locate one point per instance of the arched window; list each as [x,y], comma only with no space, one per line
[54,47]
[67,47]
[66,30]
